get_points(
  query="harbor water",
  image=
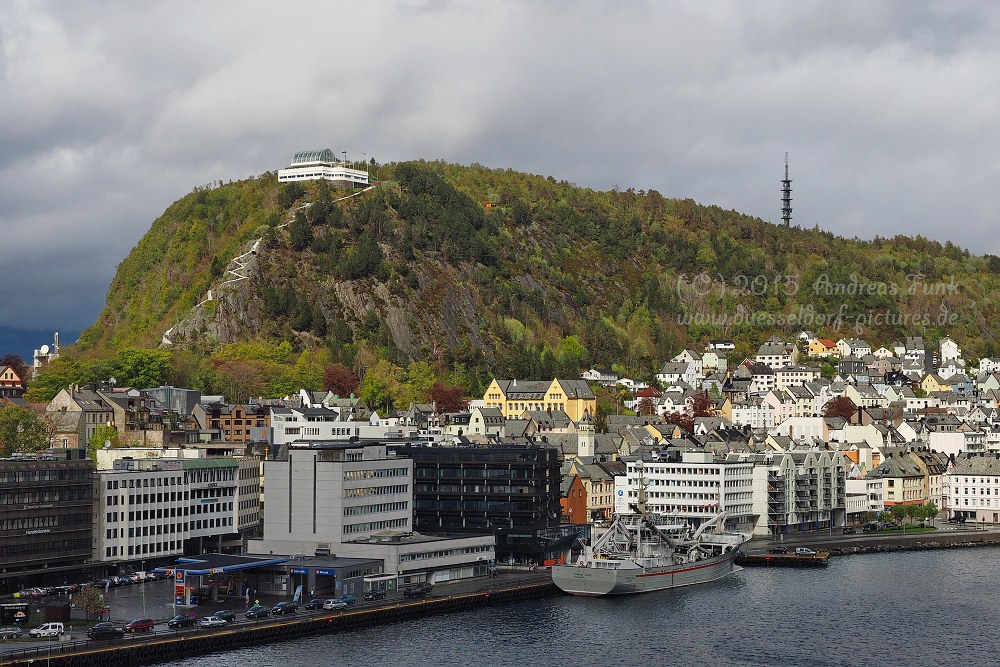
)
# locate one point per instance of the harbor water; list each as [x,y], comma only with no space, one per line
[905,608]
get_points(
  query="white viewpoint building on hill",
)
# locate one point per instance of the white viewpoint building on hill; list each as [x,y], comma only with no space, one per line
[322,165]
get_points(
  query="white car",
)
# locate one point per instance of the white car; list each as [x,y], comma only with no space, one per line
[211,622]
[803,551]
[47,630]
[334,604]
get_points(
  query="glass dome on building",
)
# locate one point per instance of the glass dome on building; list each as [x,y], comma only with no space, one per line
[305,157]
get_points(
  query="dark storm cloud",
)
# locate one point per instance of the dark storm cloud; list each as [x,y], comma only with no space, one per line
[114,110]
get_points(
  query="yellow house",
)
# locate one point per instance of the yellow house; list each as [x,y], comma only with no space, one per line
[822,347]
[513,397]
[933,382]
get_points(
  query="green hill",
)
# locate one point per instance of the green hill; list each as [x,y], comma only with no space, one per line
[493,271]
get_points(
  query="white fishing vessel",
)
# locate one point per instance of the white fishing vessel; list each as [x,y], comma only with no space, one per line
[636,555]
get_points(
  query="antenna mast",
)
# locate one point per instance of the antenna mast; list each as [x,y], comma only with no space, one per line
[786,196]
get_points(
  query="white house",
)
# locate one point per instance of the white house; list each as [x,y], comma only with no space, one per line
[949,350]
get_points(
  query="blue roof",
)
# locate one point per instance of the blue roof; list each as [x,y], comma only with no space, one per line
[215,563]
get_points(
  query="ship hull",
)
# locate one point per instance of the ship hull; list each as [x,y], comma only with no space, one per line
[577,580]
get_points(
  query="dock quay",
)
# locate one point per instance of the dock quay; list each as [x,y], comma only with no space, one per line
[766,559]
[165,646]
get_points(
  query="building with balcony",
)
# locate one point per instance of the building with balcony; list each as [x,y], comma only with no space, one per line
[796,490]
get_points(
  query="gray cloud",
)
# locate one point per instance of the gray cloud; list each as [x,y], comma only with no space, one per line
[111,111]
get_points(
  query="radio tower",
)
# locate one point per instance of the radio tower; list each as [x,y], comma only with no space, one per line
[786,197]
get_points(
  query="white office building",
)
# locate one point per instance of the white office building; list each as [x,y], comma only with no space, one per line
[159,507]
[354,499]
[692,486]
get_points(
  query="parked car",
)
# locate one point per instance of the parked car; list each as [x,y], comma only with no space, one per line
[181,621]
[284,608]
[375,595]
[12,632]
[348,599]
[417,591]
[139,625]
[106,630]
[333,603]
[957,519]
[225,615]
[778,550]
[199,598]
[212,622]
[315,603]
[257,611]
[848,530]
[47,630]
[803,551]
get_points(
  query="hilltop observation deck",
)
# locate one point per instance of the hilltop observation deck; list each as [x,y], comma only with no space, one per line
[322,164]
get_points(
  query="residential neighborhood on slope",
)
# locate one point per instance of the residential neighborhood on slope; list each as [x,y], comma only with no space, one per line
[810,434]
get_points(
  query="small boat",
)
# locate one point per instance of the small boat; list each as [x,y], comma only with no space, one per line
[637,555]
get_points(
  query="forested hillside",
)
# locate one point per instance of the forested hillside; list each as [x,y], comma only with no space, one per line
[458,273]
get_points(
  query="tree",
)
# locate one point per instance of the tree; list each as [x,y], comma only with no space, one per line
[340,379]
[21,430]
[702,405]
[16,362]
[420,377]
[841,406]
[898,512]
[300,231]
[217,266]
[931,511]
[89,599]
[646,407]
[103,435]
[521,213]
[289,193]
[238,381]
[51,379]
[138,368]
[364,259]
[448,398]
[382,385]
[686,422]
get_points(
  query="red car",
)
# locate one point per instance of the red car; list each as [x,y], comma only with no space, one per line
[138,625]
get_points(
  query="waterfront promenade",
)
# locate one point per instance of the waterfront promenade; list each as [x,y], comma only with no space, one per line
[130,602]
[839,544]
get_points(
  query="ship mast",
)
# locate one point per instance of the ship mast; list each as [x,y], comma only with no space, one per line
[644,516]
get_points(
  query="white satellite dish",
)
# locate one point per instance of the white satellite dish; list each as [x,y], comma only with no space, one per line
[44,349]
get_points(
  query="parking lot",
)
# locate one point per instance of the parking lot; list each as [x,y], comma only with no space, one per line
[154,600]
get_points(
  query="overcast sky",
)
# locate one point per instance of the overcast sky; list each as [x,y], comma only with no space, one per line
[110,111]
